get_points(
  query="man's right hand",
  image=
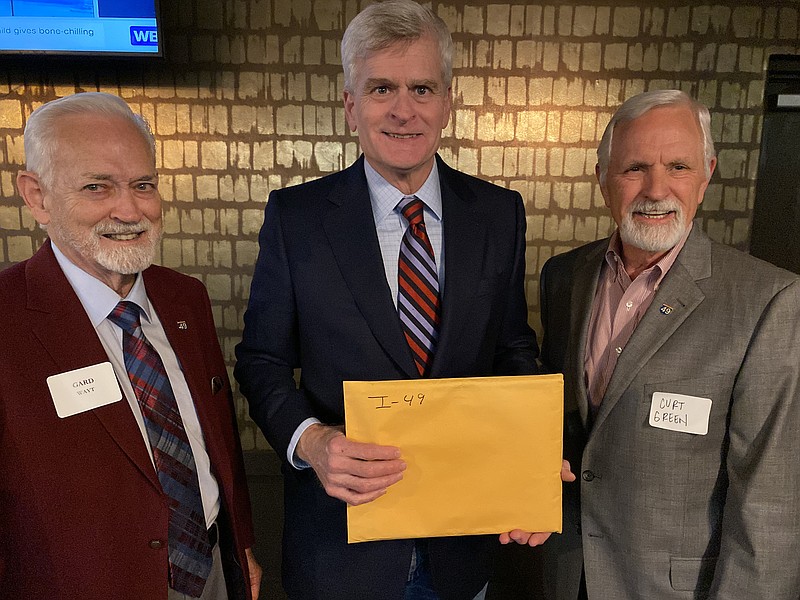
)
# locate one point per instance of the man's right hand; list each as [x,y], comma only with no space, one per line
[351,471]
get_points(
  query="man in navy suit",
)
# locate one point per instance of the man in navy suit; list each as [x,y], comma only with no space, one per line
[324,299]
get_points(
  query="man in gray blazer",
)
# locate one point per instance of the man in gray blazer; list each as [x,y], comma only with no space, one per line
[682,384]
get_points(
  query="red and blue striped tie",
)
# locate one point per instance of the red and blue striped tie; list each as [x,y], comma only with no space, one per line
[418,290]
[189,547]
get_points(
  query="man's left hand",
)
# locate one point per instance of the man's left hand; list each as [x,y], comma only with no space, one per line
[255,573]
[530,538]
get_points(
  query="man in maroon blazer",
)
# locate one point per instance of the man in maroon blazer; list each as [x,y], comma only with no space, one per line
[87,506]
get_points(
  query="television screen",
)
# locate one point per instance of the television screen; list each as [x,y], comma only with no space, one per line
[96,27]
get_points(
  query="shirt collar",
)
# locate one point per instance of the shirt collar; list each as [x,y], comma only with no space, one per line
[659,270]
[97,298]
[384,196]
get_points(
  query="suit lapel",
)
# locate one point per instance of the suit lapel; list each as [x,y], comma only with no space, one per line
[350,228]
[464,243]
[679,291]
[75,346]
[584,286]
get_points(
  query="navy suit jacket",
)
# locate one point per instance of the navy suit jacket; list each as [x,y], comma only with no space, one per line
[320,302]
[82,513]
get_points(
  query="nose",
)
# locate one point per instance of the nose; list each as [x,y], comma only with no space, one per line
[126,206]
[403,106]
[656,184]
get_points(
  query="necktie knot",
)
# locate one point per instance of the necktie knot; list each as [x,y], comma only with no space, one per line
[411,208]
[126,316]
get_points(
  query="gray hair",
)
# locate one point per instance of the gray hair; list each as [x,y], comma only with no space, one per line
[386,23]
[41,132]
[635,107]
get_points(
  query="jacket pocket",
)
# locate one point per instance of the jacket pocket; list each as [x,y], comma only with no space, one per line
[691,574]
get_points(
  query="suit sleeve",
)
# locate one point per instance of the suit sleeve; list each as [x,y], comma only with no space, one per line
[269,350]
[760,538]
[547,335]
[516,351]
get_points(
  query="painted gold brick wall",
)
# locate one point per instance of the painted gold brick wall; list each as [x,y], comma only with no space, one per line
[249,100]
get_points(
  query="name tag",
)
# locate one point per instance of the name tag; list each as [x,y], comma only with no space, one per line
[83,389]
[678,412]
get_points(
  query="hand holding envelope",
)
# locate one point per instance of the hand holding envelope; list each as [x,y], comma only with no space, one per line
[483,455]
[350,471]
[530,538]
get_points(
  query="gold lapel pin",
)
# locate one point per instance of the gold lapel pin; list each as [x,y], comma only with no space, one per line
[666,309]
[182,325]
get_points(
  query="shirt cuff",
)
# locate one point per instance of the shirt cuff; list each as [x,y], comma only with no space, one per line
[293,460]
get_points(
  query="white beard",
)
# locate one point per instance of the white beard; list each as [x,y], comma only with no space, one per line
[653,237]
[123,260]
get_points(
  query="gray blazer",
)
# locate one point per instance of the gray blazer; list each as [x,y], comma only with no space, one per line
[661,514]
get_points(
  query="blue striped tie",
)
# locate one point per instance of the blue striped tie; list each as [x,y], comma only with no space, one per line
[189,547]
[418,289]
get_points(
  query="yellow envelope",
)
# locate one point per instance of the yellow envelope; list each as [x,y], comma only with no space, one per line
[483,455]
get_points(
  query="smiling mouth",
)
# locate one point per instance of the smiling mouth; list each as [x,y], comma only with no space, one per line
[402,136]
[122,237]
[654,214]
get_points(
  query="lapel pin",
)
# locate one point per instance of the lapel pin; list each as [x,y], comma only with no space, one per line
[182,325]
[666,309]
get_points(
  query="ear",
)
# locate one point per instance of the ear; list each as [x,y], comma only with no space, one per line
[712,164]
[349,104]
[32,192]
[603,190]
[448,108]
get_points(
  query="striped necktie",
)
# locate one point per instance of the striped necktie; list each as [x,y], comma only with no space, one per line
[189,547]
[418,290]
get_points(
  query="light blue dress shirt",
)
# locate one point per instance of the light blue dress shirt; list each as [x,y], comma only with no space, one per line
[390,227]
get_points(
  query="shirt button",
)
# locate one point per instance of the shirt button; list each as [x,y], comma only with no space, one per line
[156,544]
[629,305]
[618,350]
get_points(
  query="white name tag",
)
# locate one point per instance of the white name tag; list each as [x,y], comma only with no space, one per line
[678,412]
[83,389]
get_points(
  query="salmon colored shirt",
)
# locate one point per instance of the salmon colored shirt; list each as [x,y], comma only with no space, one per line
[618,306]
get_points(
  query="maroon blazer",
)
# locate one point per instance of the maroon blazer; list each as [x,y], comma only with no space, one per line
[82,514]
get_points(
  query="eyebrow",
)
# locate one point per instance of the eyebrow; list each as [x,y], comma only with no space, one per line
[107,177]
[635,163]
[430,83]
[379,82]
[643,164]
[680,161]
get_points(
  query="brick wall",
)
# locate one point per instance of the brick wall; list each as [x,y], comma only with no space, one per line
[249,100]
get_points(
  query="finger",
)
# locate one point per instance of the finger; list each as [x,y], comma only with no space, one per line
[341,445]
[364,485]
[566,472]
[352,497]
[538,539]
[362,468]
[519,536]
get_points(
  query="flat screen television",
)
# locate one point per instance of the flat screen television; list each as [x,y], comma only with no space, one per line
[80,27]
